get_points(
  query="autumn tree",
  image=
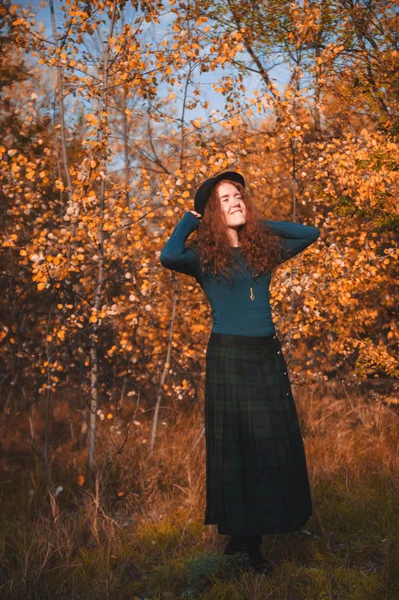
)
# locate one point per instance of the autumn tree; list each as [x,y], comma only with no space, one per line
[102,155]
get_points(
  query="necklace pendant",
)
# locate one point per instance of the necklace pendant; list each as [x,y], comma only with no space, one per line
[251,295]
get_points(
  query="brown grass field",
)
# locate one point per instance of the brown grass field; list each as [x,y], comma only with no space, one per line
[135,531]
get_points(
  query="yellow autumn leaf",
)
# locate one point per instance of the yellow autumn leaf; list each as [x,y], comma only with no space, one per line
[130,316]
[59,185]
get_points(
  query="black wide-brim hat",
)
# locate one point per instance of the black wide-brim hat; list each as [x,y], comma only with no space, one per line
[204,191]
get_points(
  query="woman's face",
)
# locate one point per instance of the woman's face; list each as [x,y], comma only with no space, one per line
[232,204]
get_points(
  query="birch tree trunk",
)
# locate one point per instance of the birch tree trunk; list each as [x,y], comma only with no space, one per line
[165,369]
[100,275]
[60,100]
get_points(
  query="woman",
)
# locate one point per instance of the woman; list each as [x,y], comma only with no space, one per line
[256,473]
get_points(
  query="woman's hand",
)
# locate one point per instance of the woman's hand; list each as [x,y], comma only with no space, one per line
[196,214]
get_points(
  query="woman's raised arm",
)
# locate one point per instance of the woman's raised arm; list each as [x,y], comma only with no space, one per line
[174,255]
[294,236]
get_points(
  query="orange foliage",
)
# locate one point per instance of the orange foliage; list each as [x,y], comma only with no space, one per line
[326,153]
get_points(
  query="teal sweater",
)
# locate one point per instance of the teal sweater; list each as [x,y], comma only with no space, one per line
[233,311]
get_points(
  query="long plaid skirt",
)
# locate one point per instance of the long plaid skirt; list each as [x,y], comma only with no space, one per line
[256,473]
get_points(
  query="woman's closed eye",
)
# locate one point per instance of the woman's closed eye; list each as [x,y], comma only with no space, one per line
[235,198]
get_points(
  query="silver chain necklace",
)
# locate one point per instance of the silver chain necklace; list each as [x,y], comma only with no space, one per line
[251,292]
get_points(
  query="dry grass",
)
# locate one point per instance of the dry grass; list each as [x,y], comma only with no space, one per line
[136,530]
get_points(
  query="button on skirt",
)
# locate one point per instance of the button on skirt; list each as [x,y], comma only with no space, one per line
[256,474]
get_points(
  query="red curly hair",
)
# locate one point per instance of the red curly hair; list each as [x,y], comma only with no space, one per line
[261,249]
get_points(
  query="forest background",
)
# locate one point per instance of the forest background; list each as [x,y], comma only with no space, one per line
[107,130]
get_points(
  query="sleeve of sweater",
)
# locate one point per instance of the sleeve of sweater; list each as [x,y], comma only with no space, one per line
[294,236]
[174,255]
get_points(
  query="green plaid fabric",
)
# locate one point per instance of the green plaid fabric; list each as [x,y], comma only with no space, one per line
[256,473]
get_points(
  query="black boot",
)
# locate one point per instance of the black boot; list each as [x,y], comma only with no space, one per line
[238,543]
[248,547]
